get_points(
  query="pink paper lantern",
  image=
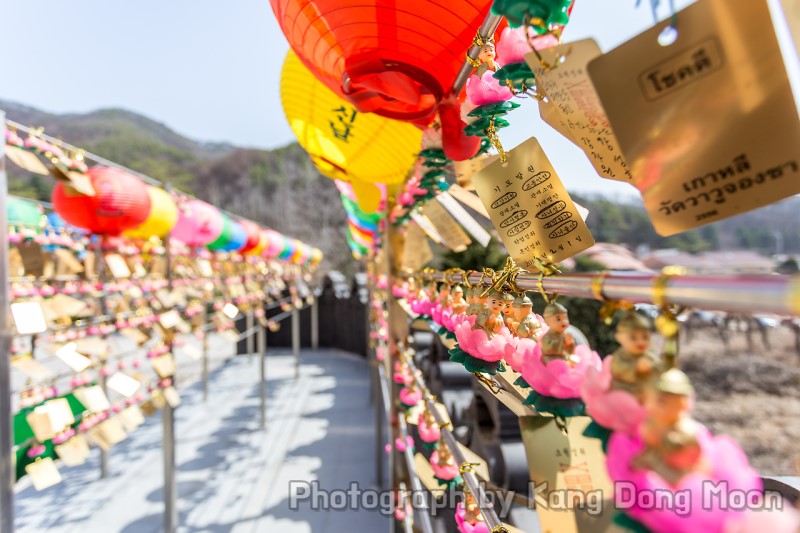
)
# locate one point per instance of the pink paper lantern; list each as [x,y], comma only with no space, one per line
[199,223]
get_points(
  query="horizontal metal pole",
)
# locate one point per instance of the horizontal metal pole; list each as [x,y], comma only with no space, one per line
[248,333]
[416,484]
[745,294]
[469,477]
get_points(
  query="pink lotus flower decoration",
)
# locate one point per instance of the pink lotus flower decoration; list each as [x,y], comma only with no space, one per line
[447,319]
[557,378]
[447,472]
[422,305]
[617,410]
[476,343]
[466,527]
[436,312]
[400,291]
[428,433]
[519,347]
[514,45]
[410,397]
[487,90]
[730,472]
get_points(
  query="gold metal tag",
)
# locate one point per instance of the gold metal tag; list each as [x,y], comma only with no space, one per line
[531,209]
[574,101]
[571,487]
[416,250]
[708,124]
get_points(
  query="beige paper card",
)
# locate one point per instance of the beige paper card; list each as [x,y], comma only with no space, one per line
[482,470]
[93,398]
[466,169]
[68,264]
[15,268]
[43,473]
[469,199]
[32,259]
[164,365]
[26,160]
[428,228]
[89,264]
[134,334]
[73,452]
[61,305]
[69,356]
[508,398]
[117,266]
[28,317]
[550,114]
[149,407]
[560,462]
[461,215]
[131,418]
[191,351]
[568,87]
[170,319]
[123,384]
[95,346]
[112,431]
[50,419]
[416,250]
[707,124]
[531,209]
[445,225]
[32,368]
[204,267]
[425,474]
[172,397]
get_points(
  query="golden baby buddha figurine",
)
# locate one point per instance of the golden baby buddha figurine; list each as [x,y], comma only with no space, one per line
[508,309]
[458,305]
[557,343]
[490,318]
[633,365]
[669,432]
[479,301]
[525,325]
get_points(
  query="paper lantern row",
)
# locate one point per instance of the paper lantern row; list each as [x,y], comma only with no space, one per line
[124,205]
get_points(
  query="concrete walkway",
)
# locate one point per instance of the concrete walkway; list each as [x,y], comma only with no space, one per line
[232,476]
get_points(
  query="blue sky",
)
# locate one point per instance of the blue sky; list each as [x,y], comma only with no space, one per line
[210,69]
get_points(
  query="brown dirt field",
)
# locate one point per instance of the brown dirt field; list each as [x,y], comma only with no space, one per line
[751,394]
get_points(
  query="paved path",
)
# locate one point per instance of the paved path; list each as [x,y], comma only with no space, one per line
[232,477]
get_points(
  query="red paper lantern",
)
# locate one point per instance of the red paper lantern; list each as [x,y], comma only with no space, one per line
[253,233]
[120,202]
[395,59]
[456,144]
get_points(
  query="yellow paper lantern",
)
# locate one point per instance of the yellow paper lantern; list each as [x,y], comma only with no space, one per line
[263,240]
[342,142]
[162,217]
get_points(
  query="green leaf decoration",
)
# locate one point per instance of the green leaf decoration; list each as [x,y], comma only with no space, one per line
[550,12]
[596,431]
[629,524]
[556,406]
[520,382]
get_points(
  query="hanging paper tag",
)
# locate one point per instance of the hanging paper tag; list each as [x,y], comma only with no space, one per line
[73,452]
[61,305]
[123,384]
[568,87]
[28,317]
[32,368]
[191,351]
[708,123]
[134,334]
[164,365]
[172,397]
[50,419]
[428,228]
[466,169]
[568,472]
[416,250]
[43,473]
[32,259]
[67,263]
[531,209]
[111,431]
[170,319]
[425,474]
[452,235]
[465,219]
[446,226]
[131,418]
[204,266]
[93,398]
[94,346]
[117,265]
[70,357]
[26,160]
[469,199]
[550,114]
